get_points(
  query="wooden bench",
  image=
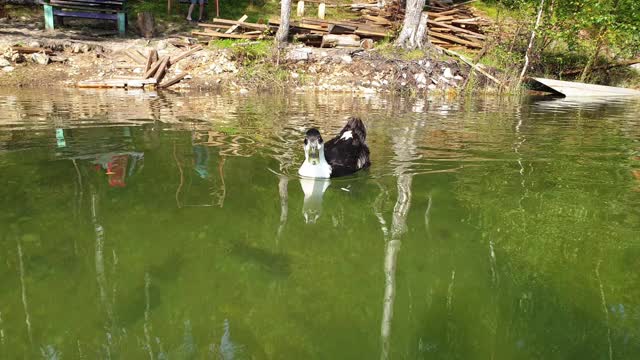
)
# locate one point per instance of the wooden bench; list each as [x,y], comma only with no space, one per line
[87,9]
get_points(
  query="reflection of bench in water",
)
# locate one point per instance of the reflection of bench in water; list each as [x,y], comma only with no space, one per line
[86,9]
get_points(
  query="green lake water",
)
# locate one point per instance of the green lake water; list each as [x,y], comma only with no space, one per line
[144,226]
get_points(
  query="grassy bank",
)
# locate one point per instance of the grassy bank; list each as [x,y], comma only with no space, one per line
[563,48]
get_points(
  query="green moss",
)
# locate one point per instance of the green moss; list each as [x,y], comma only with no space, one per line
[264,75]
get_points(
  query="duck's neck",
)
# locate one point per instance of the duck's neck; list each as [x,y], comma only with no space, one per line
[319,170]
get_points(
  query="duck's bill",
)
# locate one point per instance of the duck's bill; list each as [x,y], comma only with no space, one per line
[314,153]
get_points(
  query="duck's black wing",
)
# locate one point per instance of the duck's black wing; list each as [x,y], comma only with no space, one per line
[348,152]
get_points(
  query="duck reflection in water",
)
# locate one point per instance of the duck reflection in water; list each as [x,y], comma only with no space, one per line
[313,191]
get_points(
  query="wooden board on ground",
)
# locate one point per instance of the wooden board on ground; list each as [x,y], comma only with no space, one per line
[223,35]
[234,27]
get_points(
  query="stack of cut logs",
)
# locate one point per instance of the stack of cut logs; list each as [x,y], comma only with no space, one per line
[449,27]
[155,68]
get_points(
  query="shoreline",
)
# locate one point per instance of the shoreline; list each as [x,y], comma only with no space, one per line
[239,67]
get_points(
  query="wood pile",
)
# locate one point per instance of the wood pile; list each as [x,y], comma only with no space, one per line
[450,27]
[155,69]
[233,29]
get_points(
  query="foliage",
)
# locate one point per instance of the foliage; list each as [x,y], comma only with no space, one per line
[574,34]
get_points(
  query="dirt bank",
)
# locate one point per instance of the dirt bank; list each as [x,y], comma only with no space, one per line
[71,58]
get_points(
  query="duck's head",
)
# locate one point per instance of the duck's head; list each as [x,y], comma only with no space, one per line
[313,146]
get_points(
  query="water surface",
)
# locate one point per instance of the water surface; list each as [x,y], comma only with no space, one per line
[138,225]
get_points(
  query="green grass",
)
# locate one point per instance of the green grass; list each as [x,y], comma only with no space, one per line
[496,10]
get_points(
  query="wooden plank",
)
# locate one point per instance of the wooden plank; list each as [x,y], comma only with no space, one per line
[456,40]
[234,27]
[223,35]
[185,54]
[577,89]
[378,20]
[86,15]
[245,25]
[89,4]
[436,41]
[457,29]
[301,25]
[466,21]
[162,70]
[154,68]
[443,13]
[341,29]
[365,33]
[173,81]
[153,56]
[135,56]
[443,18]
[360,26]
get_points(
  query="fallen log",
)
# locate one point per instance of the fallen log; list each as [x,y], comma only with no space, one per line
[332,40]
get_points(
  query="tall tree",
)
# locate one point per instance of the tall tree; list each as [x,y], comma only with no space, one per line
[285,14]
[533,36]
[414,28]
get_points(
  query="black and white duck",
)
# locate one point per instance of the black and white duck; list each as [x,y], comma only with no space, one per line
[343,155]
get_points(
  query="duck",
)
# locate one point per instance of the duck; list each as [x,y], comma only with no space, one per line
[343,155]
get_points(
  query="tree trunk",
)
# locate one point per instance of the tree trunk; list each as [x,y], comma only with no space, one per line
[533,36]
[414,28]
[594,57]
[146,24]
[285,14]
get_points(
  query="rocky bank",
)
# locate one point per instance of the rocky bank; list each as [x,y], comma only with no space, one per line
[70,59]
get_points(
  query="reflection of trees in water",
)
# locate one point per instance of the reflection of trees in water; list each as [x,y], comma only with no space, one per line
[101,277]
[23,292]
[405,152]
[558,202]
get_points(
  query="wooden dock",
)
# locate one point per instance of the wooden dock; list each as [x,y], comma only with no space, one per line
[576,89]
